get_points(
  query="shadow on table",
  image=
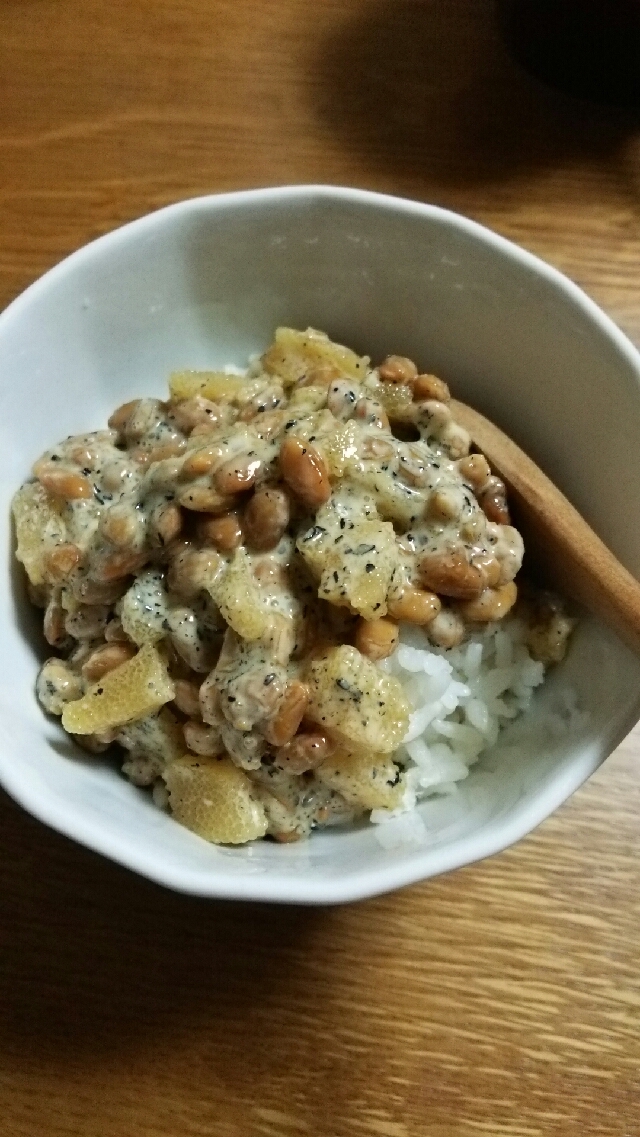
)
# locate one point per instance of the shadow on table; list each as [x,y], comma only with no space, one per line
[93,962]
[214,1002]
[429,85]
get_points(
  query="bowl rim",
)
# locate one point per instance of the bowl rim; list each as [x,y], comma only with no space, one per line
[290,887]
[203,203]
[286,885]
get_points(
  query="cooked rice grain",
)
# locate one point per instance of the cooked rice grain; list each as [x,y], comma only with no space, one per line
[461,698]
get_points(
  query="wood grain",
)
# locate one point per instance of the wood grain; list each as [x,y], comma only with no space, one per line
[564,550]
[501,1000]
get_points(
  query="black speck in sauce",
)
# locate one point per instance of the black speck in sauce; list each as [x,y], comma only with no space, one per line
[317,531]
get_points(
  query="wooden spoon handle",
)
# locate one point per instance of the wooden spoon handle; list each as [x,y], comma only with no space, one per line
[564,549]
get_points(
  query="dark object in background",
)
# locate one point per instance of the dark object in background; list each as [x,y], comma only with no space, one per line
[589,48]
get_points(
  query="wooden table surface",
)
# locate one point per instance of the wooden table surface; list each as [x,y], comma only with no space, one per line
[503,999]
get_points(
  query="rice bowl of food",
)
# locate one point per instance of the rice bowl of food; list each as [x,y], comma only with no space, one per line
[288,637]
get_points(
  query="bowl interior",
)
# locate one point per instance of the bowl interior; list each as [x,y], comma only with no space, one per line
[205,283]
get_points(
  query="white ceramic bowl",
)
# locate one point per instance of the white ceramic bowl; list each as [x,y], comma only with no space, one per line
[204,283]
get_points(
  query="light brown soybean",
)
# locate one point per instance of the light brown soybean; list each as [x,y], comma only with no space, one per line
[199,462]
[187,697]
[491,568]
[120,417]
[397,369]
[434,416]
[341,398]
[87,621]
[118,564]
[430,387]
[451,573]
[446,503]
[491,604]
[196,411]
[84,456]
[305,471]
[66,484]
[304,752]
[202,739]
[266,517]
[204,499]
[415,606]
[190,570]
[166,523]
[90,591]
[114,632]
[202,430]
[121,526]
[237,475]
[267,425]
[372,412]
[284,725]
[145,417]
[456,440]
[61,560]
[547,639]
[145,456]
[447,630]
[224,532]
[494,501]
[56,685]
[54,629]
[475,470]
[107,658]
[376,639]
[378,448]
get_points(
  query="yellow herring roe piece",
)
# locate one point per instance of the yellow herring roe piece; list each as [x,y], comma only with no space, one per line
[214,385]
[365,780]
[357,703]
[353,564]
[38,526]
[293,354]
[130,692]
[240,601]
[214,799]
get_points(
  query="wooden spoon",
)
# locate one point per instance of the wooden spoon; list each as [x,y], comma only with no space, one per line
[564,549]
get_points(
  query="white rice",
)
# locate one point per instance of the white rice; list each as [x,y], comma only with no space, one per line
[461,699]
